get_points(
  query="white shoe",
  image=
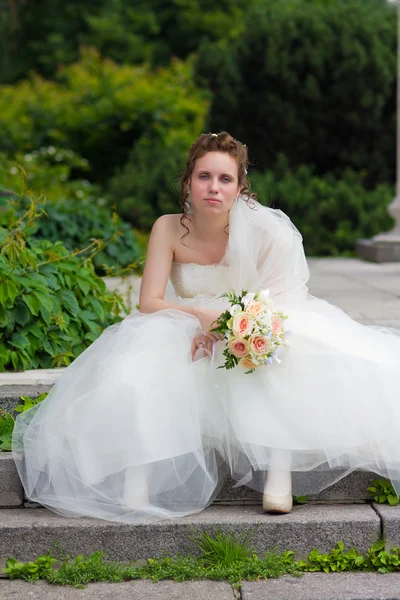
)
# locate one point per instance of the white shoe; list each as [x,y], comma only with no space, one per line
[277,504]
[277,496]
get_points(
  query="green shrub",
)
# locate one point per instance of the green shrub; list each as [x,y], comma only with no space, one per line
[74,212]
[52,304]
[330,213]
[313,79]
[103,111]
[42,35]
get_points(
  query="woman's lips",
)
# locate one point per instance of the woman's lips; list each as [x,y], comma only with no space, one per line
[213,201]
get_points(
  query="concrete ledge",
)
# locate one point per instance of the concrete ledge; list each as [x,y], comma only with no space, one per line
[132,590]
[390,516]
[325,586]
[11,492]
[27,533]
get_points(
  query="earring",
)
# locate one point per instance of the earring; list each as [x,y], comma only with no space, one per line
[188,203]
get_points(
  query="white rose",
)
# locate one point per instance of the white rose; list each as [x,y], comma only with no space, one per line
[248,298]
[265,320]
[265,298]
[235,309]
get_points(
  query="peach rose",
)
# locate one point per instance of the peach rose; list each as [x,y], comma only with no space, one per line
[259,344]
[276,325]
[255,308]
[238,347]
[242,325]
[247,363]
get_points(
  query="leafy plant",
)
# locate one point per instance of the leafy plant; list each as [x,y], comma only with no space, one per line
[52,304]
[6,429]
[379,559]
[335,561]
[32,570]
[73,211]
[7,420]
[300,499]
[383,492]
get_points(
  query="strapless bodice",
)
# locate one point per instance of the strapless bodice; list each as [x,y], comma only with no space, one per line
[192,279]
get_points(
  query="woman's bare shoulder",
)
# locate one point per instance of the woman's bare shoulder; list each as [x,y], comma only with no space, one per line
[168,225]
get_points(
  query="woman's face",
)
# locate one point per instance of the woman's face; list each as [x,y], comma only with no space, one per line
[214,183]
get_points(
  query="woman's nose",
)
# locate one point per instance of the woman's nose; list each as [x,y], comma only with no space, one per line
[213,185]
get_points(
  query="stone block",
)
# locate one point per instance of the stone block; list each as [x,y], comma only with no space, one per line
[378,251]
[11,492]
[325,586]
[390,516]
[132,590]
[26,533]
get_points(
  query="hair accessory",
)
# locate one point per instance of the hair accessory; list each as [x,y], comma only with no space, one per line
[214,134]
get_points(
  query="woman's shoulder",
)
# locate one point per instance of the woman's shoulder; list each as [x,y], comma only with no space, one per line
[171,221]
[167,227]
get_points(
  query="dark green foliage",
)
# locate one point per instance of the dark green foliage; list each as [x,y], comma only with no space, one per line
[73,211]
[46,35]
[76,222]
[330,213]
[314,80]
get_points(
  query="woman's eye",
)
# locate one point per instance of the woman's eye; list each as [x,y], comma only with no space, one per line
[203,176]
[226,179]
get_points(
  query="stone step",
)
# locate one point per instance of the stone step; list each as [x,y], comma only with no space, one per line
[26,533]
[350,489]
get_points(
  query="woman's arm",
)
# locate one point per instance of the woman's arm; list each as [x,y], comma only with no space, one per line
[160,254]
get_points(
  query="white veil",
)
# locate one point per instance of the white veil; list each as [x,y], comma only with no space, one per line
[265,251]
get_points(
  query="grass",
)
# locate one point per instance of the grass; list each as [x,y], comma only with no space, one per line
[223,556]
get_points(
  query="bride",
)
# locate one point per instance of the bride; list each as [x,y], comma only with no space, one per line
[143,425]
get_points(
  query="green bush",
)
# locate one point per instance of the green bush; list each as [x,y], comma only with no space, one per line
[330,213]
[103,112]
[315,80]
[42,35]
[52,304]
[74,212]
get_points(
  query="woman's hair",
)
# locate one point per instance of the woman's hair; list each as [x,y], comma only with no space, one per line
[213,142]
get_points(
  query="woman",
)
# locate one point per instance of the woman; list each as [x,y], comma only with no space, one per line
[141,425]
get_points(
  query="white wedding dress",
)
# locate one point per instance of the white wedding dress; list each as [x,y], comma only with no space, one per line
[134,430]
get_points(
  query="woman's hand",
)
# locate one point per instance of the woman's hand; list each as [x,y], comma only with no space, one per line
[206,317]
[202,342]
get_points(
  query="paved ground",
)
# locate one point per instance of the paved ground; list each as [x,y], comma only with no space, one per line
[368,292]
[311,586]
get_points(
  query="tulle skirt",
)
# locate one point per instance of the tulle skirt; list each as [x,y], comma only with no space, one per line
[135,430]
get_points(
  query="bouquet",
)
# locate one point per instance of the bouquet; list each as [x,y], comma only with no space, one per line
[254,329]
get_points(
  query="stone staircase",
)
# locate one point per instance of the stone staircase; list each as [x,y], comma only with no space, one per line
[341,512]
